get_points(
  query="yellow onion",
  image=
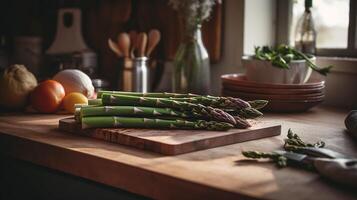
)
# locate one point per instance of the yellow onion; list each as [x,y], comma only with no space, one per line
[74,80]
[16,83]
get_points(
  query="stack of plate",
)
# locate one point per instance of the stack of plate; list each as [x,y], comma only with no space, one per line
[281,97]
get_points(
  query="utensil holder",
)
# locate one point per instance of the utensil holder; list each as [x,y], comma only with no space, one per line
[135,75]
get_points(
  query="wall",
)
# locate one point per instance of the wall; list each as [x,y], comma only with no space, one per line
[246,24]
[259,24]
[232,43]
[341,83]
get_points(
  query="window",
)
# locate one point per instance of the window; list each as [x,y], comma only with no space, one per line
[335,24]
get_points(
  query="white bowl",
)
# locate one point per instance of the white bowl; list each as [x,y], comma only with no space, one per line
[264,72]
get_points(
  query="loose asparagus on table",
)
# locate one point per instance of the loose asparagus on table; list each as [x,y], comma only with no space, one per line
[293,142]
[136,122]
[197,109]
[281,161]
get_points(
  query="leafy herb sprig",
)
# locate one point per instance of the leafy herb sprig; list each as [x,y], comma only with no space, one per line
[282,55]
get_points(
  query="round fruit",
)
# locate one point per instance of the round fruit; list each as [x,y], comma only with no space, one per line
[47,96]
[74,80]
[70,100]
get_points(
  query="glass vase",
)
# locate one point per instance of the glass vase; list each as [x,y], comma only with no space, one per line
[191,72]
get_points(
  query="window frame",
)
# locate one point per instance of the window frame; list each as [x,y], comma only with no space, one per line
[284,20]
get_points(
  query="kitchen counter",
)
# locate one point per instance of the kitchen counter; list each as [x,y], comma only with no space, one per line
[218,173]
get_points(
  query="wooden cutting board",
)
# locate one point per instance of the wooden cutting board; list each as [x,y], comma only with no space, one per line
[173,142]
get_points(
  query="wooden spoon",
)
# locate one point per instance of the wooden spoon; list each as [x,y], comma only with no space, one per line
[154,38]
[133,37]
[141,44]
[124,43]
[114,47]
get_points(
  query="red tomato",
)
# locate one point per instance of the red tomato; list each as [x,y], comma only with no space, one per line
[47,96]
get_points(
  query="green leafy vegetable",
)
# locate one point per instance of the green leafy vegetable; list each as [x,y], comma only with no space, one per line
[282,55]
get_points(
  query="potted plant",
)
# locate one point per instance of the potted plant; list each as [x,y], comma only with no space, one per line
[281,64]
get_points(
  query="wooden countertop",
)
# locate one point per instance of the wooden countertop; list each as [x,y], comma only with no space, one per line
[218,173]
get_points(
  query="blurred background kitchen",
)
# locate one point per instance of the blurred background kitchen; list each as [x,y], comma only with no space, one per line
[33,34]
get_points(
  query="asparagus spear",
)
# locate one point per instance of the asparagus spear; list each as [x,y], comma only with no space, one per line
[135,122]
[139,94]
[97,102]
[258,104]
[281,161]
[293,142]
[133,111]
[217,102]
[247,113]
[241,123]
[196,109]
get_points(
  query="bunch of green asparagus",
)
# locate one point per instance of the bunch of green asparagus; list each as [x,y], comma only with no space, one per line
[167,111]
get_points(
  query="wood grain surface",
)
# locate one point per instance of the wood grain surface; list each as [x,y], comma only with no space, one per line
[173,142]
[217,173]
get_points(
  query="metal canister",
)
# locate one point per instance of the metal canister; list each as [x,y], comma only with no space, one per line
[135,75]
[141,75]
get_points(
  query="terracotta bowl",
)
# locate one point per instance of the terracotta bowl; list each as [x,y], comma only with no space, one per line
[241,80]
[272,90]
[316,96]
[291,106]
[287,106]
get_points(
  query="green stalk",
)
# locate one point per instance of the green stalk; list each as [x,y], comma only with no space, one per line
[135,122]
[281,161]
[133,111]
[217,102]
[195,109]
[323,71]
[293,142]
[258,104]
[139,94]
[97,102]
[247,113]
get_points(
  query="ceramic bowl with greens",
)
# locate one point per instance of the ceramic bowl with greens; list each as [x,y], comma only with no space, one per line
[282,65]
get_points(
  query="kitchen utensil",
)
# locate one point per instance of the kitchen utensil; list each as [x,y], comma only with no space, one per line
[114,47]
[339,170]
[133,39]
[153,39]
[141,44]
[173,142]
[127,79]
[319,152]
[124,44]
[69,49]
